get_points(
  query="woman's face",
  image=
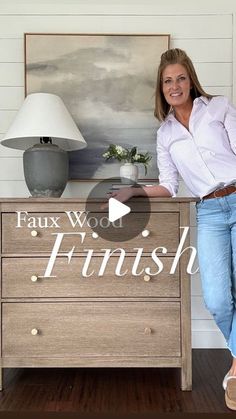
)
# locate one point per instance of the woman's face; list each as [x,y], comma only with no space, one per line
[176,85]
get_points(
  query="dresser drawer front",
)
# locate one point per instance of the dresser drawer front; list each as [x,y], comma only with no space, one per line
[22,277]
[163,227]
[91,329]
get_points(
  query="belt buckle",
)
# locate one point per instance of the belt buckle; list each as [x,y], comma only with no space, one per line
[214,193]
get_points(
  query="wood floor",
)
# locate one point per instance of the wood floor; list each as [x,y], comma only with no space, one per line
[132,390]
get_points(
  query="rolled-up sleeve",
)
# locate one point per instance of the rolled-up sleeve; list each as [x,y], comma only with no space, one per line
[168,173]
[230,125]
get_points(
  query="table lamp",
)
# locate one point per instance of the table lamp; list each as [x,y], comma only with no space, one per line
[45,129]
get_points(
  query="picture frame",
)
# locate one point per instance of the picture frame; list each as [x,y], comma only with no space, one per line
[107,82]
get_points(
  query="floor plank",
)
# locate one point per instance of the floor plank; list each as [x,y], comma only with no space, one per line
[132,390]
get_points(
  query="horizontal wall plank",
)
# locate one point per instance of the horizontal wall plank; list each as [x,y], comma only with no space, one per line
[11,98]
[9,152]
[220,90]
[191,26]
[13,189]
[199,310]
[6,118]
[204,325]
[216,74]
[208,339]
[206,50]
[11,74]
[11,50]
[11,168]
[196,287]
[115,7]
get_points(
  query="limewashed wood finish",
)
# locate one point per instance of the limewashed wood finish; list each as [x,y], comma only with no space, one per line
[98,321]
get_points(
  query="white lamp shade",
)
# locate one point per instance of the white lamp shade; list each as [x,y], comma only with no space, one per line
[43,115]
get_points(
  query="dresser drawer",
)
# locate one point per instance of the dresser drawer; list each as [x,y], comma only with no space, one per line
[163,227]
[69,281]
[91,329]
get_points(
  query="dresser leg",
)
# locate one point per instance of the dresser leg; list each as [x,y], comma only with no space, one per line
[1,379]
[186,377]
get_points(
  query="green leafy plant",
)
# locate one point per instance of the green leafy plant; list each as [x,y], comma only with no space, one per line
[127,156]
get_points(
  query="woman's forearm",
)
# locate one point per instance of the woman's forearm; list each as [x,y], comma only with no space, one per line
[152,191]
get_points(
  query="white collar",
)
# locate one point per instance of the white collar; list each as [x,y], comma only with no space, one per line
[171,117]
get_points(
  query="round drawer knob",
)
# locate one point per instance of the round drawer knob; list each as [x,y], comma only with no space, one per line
[34,233]
[145,233]
[34,332]
[94,235]
[147,330]
[146,278]
[34,278]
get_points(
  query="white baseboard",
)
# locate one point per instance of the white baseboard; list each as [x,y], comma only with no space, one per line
[207,339]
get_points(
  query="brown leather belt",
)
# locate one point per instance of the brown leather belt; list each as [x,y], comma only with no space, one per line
[221,192]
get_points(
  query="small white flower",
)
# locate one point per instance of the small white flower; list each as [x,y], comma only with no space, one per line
[119,149]
[137,157]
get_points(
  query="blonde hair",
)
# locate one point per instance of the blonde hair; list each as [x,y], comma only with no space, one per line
[175,56]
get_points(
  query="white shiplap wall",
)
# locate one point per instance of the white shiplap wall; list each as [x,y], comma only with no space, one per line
[207,36]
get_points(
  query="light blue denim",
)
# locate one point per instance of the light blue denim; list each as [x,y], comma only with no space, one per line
[216,246]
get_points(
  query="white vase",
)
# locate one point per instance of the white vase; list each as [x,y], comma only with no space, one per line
[129,173]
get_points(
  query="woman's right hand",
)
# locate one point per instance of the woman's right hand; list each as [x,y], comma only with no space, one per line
[122,195]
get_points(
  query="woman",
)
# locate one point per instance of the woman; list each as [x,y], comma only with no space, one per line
[197,139]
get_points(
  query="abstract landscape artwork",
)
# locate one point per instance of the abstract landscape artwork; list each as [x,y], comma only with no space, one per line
[108,84]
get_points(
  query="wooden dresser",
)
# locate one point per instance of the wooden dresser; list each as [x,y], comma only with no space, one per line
[81,316]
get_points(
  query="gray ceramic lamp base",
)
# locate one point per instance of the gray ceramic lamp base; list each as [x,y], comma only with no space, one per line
[46,169]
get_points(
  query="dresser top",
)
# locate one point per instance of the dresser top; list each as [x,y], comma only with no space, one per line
[84,200]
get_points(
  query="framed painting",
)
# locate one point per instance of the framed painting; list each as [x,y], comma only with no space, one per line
[108,84]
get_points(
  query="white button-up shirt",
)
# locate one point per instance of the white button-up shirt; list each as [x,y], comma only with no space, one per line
[204,156]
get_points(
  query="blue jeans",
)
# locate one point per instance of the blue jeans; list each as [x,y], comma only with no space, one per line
[216,222]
